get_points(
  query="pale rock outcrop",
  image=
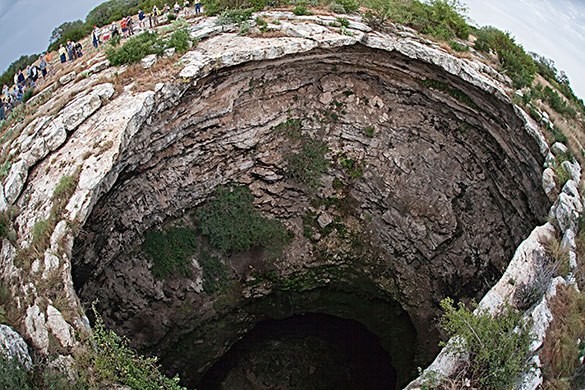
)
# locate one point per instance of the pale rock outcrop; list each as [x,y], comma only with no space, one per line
[59,327]
[36,328]
[13,346]
[69,77]
[82,107]
[149,61]
[548,182]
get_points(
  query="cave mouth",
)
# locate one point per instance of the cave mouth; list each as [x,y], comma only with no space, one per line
[311,350]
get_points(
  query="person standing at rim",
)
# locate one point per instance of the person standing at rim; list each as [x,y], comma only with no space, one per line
[197,7]
[141,19]
[155,13]
[62,53]
[95,37]
[43,65]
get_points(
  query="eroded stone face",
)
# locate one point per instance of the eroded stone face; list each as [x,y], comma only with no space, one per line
[431,186]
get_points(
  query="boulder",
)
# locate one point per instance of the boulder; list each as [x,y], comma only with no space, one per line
[15,181]
[69,77]
[59,327]
[36,328]
[13,346]
[148,61]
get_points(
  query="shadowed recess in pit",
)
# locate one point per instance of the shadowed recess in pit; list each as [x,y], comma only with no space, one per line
[313,350]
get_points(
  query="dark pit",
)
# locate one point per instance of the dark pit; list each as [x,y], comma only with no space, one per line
[382,185]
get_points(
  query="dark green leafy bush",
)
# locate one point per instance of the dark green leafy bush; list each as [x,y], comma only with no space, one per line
[135,49]
[498,345]
[170,251]
[232,224]
[180,40]
[113,362]
[301,10]
[215,274]
[309,163]
[13,375]
[514,60]
[349,6]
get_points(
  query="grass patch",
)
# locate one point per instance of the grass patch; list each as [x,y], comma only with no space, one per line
[232,224]
[514,61]
[309,164]
[561,348]
[135,49]
[498,345]
[215,273]
[112,361]
[170,251]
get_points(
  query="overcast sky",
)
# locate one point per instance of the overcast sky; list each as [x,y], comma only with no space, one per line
[553,28]
[26,25]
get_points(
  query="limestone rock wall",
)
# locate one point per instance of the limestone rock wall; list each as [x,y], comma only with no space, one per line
[451,178]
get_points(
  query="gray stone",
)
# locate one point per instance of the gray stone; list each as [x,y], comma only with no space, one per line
[558,148]
[149,61]
[98,67]
[15,181]
[324,220]
[36,328]
[13,346]
[170,52]
[59,327]
[66,79]
[548,182]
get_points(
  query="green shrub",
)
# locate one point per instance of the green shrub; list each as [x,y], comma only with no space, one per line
[13,376]
[234,16]
[458,47]
[349,6]
[215,274]
[170,251]
[309,164]
[498,345]
[343,22]
[135,49]
[369,131]
[29,93]
[442,19]
[41,231]
[515,62]
[171,17]
[232,224]
[301,10]
[112,361]
[180,40]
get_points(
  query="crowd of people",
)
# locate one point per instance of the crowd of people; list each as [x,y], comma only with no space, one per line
[28,78]
[23,80]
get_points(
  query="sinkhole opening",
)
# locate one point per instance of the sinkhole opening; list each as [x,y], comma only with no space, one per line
[312,350]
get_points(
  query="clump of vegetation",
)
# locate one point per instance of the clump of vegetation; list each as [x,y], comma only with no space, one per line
[498,345]
[515,62]
[301,9]
[215,274]
[369,131]
[170,251]
[310,163]
[561,347]
[234,16]
[348,6]
[136,48]
[13,375]
[180,40]
[112,361]
[232,224]
[458,47]
[442,19]
[352,167]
